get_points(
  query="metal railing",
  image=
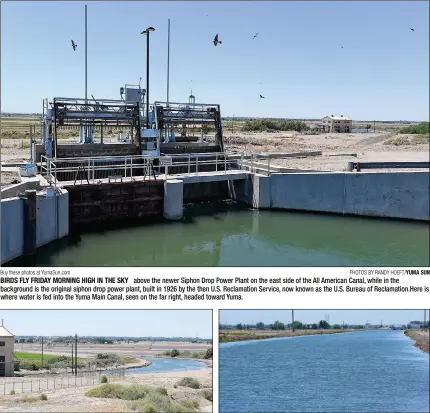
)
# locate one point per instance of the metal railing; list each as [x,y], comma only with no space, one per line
[47,383]
[92,170]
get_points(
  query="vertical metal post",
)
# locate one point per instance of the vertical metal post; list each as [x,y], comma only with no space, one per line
[168,59]
[72,360]
[42,352]
[197,164]
[189,163]
[147,79]
[31,143]
[76,354]
[216,162]
[374,126]
[86,71]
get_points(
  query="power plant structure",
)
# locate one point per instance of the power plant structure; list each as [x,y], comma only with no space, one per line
[173,128]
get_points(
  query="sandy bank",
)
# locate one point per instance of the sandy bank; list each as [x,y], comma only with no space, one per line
[226,336]
[74,399]
[422,339]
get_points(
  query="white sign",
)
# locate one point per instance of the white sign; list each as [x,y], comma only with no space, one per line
[165,160]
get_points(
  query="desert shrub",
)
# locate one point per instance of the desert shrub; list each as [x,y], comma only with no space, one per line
[420,128]
[209,353]
[12,392]
[271,125]
[420,139]
[189,382]
[43,397]
[173,353]
[104,379]
[208,394]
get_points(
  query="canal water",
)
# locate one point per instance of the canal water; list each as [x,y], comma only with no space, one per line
[229,234]
[162,365]
[377,371]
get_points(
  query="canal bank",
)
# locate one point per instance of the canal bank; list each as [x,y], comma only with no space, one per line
[228,336]
[401,195]
[421,338]
[375,371]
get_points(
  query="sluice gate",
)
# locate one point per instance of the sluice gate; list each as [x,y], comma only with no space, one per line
[91,204]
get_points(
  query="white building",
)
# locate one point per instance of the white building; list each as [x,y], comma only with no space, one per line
[340,124]
[7,341]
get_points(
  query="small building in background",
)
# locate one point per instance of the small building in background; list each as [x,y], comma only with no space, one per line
[339,124]
[7,341]
[415,326]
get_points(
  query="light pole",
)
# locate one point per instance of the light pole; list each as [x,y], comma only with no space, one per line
[147,31]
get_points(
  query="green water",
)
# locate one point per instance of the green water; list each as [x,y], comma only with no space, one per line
[227,234]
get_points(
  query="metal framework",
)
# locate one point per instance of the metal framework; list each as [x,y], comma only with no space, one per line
[69,112]
[168,116]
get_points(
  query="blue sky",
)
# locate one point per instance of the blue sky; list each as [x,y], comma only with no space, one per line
[311,316]
[133,323]
[381,72]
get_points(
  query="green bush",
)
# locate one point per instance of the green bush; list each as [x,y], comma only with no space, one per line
[209,353]
[208,394]
[103,379]
[268,125]
[189,382]
[43,397]
[420,128]
[174,353]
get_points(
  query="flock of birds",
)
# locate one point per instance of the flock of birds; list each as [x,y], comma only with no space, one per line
[216,42]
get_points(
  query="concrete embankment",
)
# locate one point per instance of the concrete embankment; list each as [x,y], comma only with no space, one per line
[402,195]
[421,338]
[51,222]
[226,336]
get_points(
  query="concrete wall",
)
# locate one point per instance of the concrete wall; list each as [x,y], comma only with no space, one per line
[6,351]
[12,228]
[12,191]
[50,225]
[383,194]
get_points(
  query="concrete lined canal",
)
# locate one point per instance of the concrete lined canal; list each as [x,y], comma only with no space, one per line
[228,234]
[375,371]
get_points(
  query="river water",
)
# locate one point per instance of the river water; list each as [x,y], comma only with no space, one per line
[162,365]
[375,371]
[228,234]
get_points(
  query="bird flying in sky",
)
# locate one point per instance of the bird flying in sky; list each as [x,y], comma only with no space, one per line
[216,41]
[412,29]
[255,35]
[74,45]
[262,97]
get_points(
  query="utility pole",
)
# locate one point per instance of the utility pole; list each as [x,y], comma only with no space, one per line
[425,320]
[86,72]
[76,354]
[146,32]
[168,59]
[42,352]
[292,318]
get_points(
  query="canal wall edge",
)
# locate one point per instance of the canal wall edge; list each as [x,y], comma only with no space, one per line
[52,222]
[402,195]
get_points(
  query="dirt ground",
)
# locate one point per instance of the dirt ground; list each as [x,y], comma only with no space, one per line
[245,335]
[74,400]
[422,339]
[337,149]
[143,348]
